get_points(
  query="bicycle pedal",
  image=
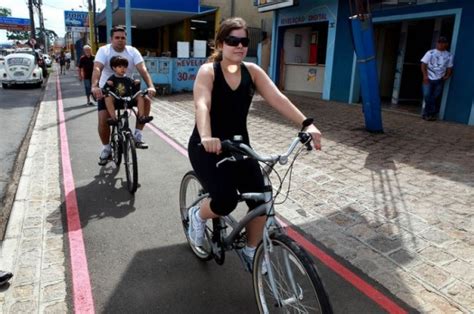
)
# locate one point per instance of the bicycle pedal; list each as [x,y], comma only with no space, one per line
[239,245]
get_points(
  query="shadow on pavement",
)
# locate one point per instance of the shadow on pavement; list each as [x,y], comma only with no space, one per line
[171,280]
[439,148]
[114,200]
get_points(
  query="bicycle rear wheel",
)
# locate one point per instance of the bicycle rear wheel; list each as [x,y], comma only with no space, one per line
[130,161]
[190,190]
[116,145]
[296,280]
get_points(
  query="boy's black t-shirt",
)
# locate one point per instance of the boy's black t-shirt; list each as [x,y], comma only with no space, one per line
[122,86]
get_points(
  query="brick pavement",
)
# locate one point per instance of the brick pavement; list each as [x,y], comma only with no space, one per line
[395,205]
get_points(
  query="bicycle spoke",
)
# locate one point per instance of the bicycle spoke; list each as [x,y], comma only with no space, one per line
[297,290]
[190,191]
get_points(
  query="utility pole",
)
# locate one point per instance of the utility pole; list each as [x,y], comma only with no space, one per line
[32,20]
[95,29]
[43,36]
[91,9]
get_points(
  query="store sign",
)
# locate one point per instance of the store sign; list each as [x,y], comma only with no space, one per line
[76,21]
[319,17]
[14,24]
[270,5]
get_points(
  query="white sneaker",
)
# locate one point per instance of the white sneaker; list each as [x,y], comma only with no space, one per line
[196,227]
[248,258]
[104,156]
[139,142]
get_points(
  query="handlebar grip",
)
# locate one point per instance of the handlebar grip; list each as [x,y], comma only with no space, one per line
[306,139]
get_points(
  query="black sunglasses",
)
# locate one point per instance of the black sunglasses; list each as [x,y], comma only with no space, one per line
[235,41]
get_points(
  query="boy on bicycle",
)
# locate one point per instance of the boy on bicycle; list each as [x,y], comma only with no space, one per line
[122,85]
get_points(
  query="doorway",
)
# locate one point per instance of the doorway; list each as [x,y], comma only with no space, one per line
[400,47]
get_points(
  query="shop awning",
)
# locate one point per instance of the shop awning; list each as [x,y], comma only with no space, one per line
[146,18]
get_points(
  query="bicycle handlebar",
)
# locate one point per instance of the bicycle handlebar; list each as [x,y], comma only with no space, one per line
[143,92]
[245,150]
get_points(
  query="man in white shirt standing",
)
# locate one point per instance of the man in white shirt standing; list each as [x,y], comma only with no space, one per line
[102,71]
[437,67]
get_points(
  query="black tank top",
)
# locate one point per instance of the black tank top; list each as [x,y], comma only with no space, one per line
[229,108]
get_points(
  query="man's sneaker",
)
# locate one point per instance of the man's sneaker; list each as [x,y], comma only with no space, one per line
[4,277]
[139,142]
[248,260]
[196,228]
[104,156]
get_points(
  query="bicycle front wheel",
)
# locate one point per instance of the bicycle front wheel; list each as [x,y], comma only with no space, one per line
[115,143]
[190,191]
[296,286]
[130,161]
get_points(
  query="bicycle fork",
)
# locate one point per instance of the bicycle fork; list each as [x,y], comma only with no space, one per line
[297,291]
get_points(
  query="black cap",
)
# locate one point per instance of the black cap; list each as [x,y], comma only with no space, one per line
[442,39]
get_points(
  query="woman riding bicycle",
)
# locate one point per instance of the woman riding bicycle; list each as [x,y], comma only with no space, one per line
[223,92]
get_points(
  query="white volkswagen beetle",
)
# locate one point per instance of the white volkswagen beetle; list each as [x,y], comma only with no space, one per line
[20,68]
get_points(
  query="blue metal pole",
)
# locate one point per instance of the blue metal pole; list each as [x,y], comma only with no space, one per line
[363,35]
[108,17]
[128,22]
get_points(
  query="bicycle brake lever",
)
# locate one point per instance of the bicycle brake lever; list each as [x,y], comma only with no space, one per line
[224,160]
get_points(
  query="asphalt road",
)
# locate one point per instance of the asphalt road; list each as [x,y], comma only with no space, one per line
[137,254]
[17,106]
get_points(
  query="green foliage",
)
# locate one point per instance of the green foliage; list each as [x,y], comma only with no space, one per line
[5,12]
[18,35]
[14,35]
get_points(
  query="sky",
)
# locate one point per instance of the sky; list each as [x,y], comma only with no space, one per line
[53,13]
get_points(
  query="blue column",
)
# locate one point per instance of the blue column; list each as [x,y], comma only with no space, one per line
[128,22]
[363,35]
[108,17]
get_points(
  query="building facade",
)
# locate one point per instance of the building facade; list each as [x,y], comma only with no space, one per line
[312,51]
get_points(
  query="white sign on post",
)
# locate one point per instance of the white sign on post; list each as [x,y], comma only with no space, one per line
[183,49]
[199,48]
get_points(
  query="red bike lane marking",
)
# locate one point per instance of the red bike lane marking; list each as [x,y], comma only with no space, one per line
[82,292]
[371,292]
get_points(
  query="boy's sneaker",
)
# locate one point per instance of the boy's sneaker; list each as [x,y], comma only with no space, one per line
[104,156]
[196,227]
[248,259]
[144,119]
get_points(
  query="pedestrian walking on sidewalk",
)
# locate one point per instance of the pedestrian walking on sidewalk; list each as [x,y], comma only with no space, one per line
[85,68]
[62,63]
[437,67]
[102,71]
[223,92]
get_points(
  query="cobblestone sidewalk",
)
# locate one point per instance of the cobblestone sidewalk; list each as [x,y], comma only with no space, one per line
[33,246]
[396,205]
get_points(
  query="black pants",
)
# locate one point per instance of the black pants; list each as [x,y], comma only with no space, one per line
[223,183]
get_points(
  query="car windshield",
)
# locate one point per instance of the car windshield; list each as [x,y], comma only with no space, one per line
[18,61]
